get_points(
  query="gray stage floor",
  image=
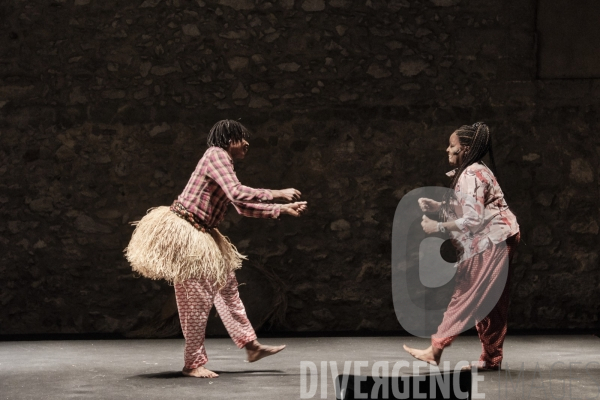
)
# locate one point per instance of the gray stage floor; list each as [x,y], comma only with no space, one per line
[560,367]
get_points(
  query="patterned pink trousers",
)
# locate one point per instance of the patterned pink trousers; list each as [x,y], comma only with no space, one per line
[195,298]
[475,272]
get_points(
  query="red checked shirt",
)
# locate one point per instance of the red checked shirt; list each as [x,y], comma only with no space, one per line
[214,185]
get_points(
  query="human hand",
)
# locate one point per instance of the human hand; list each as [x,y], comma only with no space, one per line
[287,195]
[428,205]
[294,209]
[429,225]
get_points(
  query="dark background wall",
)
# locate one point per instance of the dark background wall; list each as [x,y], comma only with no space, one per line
[105,106]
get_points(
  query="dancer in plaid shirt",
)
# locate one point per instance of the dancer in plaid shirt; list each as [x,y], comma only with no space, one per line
[182,244]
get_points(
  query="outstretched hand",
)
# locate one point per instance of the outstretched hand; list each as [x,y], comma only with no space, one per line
[294,209]
[287,195]
[428,205]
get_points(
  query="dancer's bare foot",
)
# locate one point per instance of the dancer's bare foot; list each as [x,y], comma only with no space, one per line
[430,355]
[256,351]
[199,372]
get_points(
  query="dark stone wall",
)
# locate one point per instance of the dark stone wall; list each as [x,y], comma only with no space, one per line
[105,106]
[568,39]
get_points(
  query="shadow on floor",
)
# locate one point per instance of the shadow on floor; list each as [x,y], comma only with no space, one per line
[264,372]
[178,374]
[161,375]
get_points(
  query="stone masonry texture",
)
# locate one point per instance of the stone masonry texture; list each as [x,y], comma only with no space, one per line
[105,106]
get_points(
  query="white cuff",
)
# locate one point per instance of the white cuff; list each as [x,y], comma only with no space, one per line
[461,224]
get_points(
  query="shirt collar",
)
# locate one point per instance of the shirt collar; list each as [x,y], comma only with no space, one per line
[226,153]
[451,173]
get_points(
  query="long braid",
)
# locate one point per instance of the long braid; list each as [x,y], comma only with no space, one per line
[226,131]
[477,137]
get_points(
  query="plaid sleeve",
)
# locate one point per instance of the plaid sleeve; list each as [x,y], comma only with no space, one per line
[257,210]
[220,169]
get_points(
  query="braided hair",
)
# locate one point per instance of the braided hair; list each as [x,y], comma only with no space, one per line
[226,131]
[479,140]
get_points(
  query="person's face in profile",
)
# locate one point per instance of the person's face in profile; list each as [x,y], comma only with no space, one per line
[238,149]
[456,152]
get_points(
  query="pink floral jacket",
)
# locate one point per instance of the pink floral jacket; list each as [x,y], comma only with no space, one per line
[481,212]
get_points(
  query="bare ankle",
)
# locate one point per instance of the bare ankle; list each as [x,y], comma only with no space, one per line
[252,345]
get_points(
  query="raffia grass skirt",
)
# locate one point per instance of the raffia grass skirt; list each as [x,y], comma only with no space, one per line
[165,246]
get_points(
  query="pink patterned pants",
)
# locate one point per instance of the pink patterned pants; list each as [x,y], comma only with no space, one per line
[492,329]
[195,298]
